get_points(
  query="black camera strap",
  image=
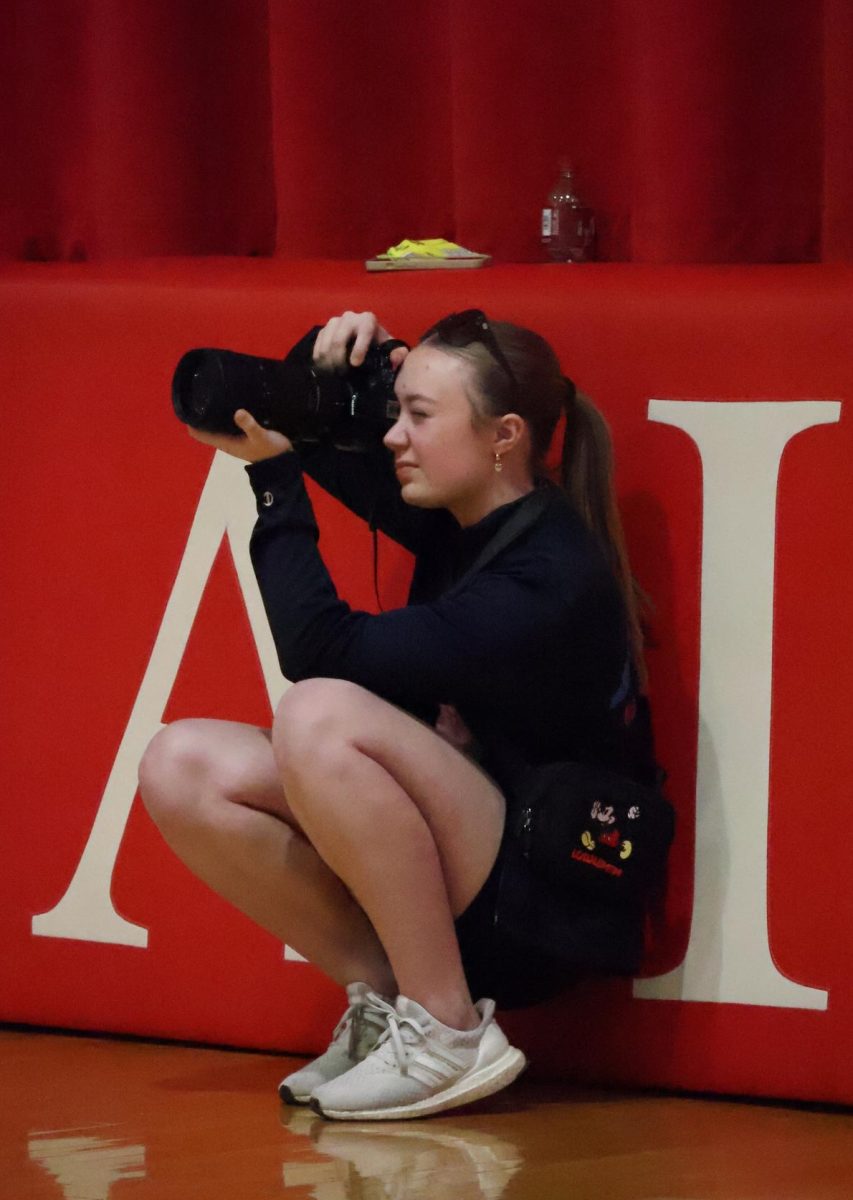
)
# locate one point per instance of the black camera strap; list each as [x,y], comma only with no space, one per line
[527,514]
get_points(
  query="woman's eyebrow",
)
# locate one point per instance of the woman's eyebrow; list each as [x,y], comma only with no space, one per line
[408,397]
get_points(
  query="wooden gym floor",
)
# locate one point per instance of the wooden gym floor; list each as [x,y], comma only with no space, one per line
[84,1118]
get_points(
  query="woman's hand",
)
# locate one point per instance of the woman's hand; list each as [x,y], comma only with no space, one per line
[254,444]
[452,728]
[330,348]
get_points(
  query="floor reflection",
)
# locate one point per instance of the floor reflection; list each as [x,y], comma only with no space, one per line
[384,1160]
[86,1166]
[84,1119]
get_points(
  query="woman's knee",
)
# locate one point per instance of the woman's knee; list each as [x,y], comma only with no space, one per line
[314,718]
[187,761]
[174,758]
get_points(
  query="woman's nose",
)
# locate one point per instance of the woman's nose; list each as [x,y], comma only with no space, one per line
[394,437]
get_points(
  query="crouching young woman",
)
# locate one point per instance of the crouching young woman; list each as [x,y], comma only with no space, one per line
[367,828]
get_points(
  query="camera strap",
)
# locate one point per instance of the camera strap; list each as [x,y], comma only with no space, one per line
[527,514]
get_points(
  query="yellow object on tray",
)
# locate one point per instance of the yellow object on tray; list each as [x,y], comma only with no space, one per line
[426,254]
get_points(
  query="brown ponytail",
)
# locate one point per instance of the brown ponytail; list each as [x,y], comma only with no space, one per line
[586,475]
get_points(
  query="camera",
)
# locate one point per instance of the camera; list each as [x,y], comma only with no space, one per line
[353,409]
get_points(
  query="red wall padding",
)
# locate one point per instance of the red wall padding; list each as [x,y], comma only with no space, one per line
[99,492]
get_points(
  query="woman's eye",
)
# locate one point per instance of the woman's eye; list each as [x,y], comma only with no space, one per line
[418,412]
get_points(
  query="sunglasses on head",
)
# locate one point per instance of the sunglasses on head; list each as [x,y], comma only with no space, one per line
[472,325]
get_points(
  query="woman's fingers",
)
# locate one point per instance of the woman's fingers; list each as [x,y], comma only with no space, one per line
[348,325]
[452,728]
[252,445]
[365,333]
[323,344]
[260,441]
[332,342]
[245,421]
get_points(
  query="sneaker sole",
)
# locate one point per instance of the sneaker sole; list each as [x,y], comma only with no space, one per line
[289,1097]
[482,1083]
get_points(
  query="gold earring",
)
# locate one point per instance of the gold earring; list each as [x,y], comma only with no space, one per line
[498,464]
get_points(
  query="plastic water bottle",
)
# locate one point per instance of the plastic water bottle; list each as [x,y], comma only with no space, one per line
[568,225]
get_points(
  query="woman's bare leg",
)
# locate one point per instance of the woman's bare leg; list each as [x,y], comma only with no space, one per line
[214,791]
[408,822]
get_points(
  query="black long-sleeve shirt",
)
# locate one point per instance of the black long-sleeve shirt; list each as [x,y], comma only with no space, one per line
[531,650]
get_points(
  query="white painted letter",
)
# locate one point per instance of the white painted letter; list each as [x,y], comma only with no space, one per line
[226,505]
[728,958]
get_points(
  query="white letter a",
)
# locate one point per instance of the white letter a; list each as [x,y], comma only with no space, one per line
[86,910]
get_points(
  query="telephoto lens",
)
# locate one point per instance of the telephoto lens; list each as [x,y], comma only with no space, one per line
[353,408]
[210,385]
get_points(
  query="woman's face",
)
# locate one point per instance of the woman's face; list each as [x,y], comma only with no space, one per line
[441,457]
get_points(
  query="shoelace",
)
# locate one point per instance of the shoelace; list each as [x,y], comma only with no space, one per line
[403,1032]
[357,1015]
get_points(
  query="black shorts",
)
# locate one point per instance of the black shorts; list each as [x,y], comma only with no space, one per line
[511,974]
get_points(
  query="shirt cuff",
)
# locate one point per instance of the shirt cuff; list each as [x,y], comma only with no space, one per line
[272,477]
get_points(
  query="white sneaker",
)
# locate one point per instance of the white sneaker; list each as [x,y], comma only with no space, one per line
[355,1035]
[420,1066]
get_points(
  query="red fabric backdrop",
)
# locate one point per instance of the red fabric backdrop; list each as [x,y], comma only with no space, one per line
[704,130]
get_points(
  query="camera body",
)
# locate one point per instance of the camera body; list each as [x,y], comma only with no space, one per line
[352,409]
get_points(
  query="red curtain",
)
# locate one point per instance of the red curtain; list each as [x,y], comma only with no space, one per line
[703,131]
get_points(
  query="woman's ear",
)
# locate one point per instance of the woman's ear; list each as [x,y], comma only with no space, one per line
[509,430]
